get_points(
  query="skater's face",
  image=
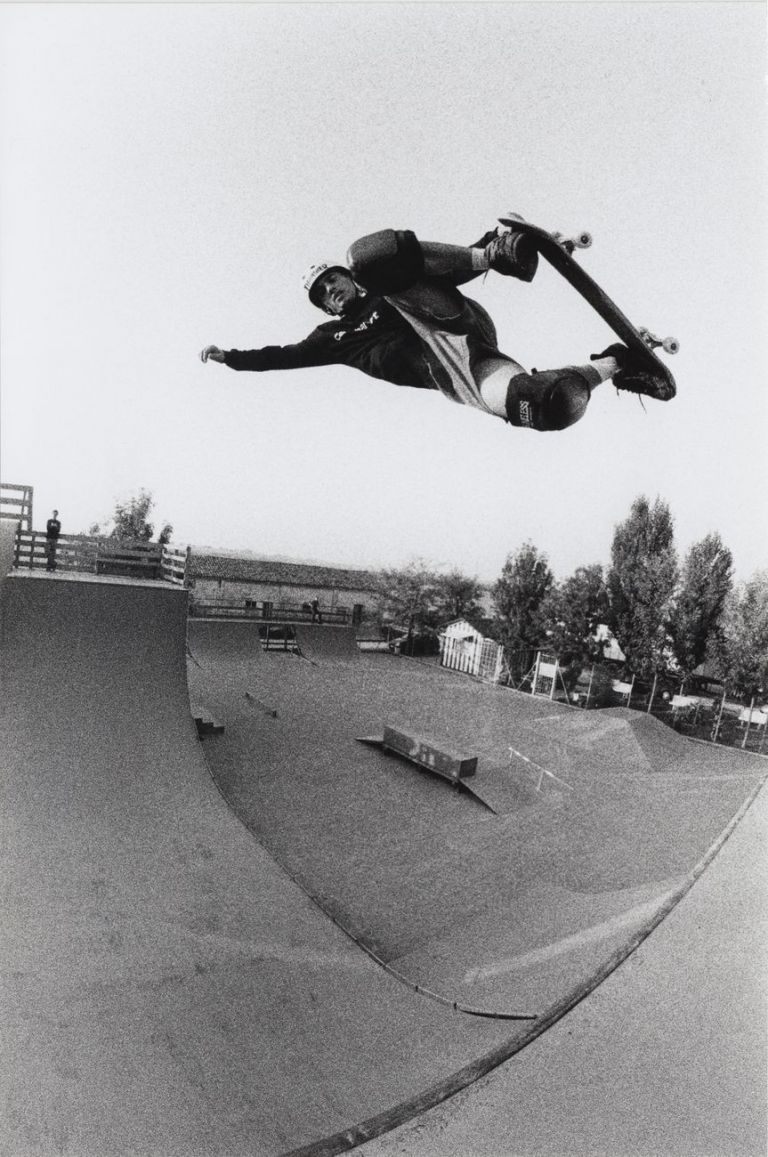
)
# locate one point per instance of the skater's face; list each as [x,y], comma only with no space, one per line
[336,292]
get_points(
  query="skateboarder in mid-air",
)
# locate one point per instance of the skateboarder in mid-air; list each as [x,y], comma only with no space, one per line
[398,314]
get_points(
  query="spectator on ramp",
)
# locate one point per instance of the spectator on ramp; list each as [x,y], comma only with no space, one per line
[52,532]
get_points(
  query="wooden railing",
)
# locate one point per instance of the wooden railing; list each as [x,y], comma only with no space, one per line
[174,564]
[269,612]
[106,556]
[16,503]
[73,551]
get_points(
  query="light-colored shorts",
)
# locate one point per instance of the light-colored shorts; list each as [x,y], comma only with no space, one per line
[460,335]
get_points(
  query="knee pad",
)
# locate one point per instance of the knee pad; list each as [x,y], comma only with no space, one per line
[389,261]
[566,401]
[523,401]
[549,401]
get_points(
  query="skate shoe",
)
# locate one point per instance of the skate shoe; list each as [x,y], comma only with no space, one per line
[513,254]
[636,377]
[617,351]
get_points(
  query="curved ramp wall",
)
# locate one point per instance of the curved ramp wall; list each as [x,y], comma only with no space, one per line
[166,989]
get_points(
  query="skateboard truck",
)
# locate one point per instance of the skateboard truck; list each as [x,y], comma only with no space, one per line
[670,345]
[583,240]
[580,241]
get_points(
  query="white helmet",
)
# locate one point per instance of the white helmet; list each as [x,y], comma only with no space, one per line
[312,275]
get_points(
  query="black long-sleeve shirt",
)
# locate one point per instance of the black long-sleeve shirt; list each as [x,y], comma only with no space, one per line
[374,338]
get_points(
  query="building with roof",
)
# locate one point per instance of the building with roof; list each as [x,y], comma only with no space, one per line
[271,588]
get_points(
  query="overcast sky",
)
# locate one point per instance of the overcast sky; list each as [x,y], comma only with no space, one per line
[168,171]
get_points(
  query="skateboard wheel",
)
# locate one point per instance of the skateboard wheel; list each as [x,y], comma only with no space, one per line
[670,345]
[580,241]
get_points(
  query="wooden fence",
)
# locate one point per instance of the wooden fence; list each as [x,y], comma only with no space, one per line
[104,556]
[174,563]
[267,611]
[16,503]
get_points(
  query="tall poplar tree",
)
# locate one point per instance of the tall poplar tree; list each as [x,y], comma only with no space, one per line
[517,596]
[745,665]
[696,620]
[641,585]
[571,614]
[408,596]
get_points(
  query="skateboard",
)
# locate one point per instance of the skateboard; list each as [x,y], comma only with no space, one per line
[558,250]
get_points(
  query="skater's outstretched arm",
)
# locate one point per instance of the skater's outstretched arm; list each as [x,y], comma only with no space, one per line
[315,350]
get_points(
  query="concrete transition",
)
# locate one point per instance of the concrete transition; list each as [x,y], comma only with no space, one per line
[8,528]
[174,983]
[166,988]
[327,644]
[223,641]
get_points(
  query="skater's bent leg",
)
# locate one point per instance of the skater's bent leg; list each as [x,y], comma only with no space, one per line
[605,367]
[493,377]
[455,261]
[391,261]
[386,262]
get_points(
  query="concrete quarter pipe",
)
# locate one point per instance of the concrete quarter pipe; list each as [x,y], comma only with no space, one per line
[166,989]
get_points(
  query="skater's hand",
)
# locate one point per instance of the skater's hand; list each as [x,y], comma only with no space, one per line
[213,352]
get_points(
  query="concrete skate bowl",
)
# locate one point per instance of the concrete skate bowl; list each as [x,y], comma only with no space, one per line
[507,909]
[167,988]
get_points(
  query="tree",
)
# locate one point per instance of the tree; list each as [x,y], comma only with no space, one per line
[696,620]
[571,614]
[745,650]
[408,596]
[458,597]
[131,521]
[641,585]
[517,596]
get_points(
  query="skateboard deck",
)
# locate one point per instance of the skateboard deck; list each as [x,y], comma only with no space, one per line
[641,342]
